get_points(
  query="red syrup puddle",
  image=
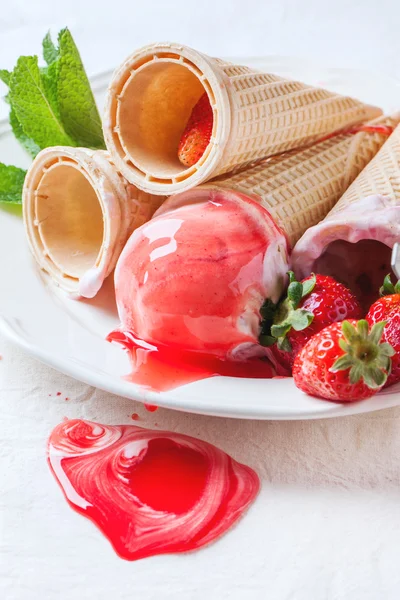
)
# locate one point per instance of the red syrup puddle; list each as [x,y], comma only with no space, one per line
[149,492]
[135,417]
[150,407]
[163,369]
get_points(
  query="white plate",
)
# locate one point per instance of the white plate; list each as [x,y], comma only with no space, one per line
[69,335]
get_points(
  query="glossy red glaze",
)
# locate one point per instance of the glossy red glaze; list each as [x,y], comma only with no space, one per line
[164,369]
[149,492]
[195,276]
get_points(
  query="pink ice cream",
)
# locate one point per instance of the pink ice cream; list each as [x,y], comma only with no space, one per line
[195,276]
[353,245]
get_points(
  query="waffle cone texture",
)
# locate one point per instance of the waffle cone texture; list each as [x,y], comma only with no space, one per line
[368,210]
[380,177]
[78,214]
[255,115]
[299,188]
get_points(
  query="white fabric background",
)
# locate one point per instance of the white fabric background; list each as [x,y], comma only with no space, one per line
[326,525]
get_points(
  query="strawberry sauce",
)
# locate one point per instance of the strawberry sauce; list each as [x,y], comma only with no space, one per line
[195,276]
[163,369]
[149,492]
[191,283]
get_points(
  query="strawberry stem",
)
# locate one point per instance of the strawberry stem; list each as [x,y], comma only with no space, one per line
[388,288]
[267,312]
[364,354]
[288,315]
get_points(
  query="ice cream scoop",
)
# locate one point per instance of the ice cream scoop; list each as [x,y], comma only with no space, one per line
[177,279]
[195,276]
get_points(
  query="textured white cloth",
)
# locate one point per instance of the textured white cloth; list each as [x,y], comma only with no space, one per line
[326,525]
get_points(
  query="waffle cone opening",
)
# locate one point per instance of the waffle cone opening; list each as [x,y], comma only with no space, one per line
[153,110]
[69,217]
[361,266]
[150,101]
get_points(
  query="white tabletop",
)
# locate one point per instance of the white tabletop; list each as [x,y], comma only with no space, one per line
[326,525]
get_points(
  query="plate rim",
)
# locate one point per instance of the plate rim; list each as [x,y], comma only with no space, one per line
[117,386]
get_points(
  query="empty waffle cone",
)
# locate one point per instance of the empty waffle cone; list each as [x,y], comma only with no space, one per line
[300,187]
[78,213]
[355,240]
[255,115]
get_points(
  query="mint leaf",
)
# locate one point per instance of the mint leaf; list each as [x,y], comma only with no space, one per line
[11,184]
[5,76]
[49,76]
[50,52]
[33,110]
[16,127]
[28,144]
[77,105]
[50,73]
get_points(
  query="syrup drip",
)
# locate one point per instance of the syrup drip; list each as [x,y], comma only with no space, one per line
[163,369]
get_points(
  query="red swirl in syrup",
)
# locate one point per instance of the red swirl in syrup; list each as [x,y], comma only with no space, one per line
[149,492]
[163,369]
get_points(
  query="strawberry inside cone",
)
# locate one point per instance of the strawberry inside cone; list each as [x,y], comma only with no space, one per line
[197,133]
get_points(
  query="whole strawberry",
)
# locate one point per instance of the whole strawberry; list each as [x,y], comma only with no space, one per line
[344,362]
[387,308]
[197,133]
[310,305]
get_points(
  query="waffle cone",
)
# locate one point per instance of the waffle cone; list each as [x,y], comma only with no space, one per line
[354,242]
[299,188]
[256,115]
[380,177]
[78,213]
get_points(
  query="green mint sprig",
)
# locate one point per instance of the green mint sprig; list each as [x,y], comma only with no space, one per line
[11,182]
[78,110]
[49,106]
[33,106]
